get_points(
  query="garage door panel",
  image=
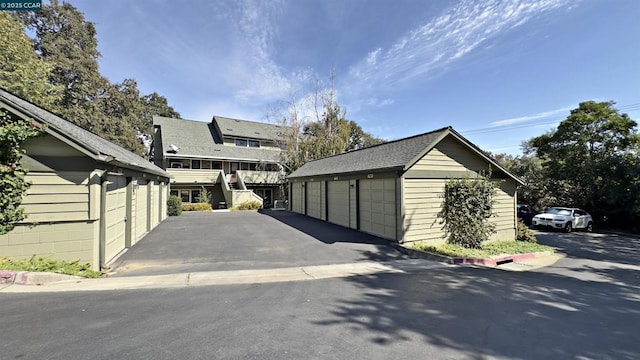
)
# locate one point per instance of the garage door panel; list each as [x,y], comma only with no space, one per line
[296,194]
[314,204]
[338,202]
[378,207]
[115,214]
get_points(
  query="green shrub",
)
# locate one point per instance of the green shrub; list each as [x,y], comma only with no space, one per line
[205,195]
[174,206]
[248,205]
[196,207]
[466,209]
[42,264]
[523,233]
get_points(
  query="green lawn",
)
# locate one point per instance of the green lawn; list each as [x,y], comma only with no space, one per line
[487,250]
[41,264]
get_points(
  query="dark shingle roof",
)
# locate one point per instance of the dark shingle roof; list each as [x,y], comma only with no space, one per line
[197,139]
[387,156]
[248,129]
[92,143]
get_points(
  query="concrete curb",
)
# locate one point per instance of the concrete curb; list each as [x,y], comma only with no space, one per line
[488,262]
[232,277]
[12,277]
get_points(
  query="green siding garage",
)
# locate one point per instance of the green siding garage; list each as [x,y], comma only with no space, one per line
[394,190]
[89,199]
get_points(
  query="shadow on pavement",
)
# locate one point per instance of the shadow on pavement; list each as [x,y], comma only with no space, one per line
[322,230]
[484,313]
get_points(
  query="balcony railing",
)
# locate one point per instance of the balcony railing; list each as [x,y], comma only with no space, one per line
[194,176]
[260,177]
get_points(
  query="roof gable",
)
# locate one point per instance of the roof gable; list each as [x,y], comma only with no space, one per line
[399,155]
[89,143]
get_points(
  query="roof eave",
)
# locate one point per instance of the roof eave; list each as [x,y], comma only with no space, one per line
[479,152]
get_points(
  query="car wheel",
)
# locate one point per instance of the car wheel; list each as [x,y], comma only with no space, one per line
[590,227]
[568,227]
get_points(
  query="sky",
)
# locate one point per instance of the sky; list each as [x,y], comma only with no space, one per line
[498,72]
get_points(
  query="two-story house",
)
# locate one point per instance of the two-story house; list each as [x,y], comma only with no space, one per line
[235,160]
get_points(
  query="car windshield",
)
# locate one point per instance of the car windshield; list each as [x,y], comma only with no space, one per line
[558,211]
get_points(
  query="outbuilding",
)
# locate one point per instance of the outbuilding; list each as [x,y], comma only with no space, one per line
[394,190]
[89,199]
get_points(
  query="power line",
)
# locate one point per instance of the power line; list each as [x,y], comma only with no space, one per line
[622,108]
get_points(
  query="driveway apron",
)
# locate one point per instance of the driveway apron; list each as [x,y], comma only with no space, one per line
[217,241]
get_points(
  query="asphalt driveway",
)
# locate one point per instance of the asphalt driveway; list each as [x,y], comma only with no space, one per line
[239,240]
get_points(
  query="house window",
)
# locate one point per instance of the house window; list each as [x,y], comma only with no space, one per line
[195,196]
[173,193]
[206,164]
[254,143]
[195,164]
[241,142]
[252,166]
[180,163]
[184,195]
[217,165]
[244,166]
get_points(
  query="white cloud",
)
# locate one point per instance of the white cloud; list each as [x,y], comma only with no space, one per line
[427,50]
[527,118]
[252,70]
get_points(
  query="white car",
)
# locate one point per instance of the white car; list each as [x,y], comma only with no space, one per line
[563,218]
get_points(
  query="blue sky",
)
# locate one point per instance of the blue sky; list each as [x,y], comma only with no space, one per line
[499,72]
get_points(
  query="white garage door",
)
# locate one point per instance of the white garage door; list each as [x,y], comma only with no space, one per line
[314,203]
[378,207]
[338,202]
[141,209]
[114,217]
[297,198]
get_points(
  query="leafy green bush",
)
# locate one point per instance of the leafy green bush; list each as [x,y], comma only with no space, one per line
[523,233]
[174,206]
[248,205]
[14,132]
[42,264]
[196,207]
[466,209]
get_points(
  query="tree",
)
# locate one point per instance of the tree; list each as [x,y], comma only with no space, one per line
[529,169]
[591,160]
[323,131]
[21,71]
[13,133]
[117,112]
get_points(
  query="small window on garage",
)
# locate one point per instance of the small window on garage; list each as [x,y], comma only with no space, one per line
[195,164]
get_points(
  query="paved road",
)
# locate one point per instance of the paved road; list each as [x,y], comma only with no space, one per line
[582,308]
[200,241]
[456,313]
